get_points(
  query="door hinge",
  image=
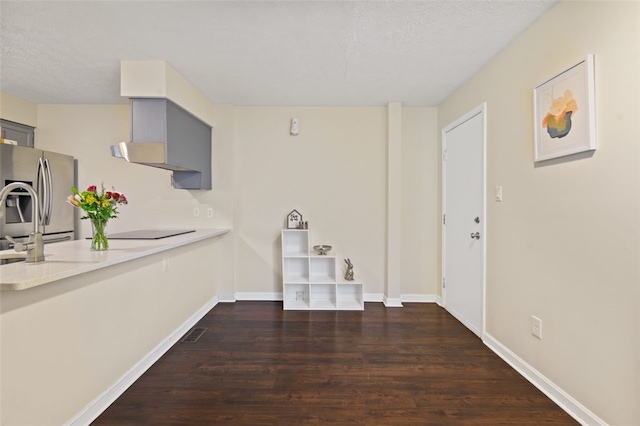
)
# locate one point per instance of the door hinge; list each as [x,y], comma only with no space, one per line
[444,283]
[444,219]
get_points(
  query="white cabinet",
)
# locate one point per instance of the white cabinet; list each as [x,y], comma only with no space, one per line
[309,280]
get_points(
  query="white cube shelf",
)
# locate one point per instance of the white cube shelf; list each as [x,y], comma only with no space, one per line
[309,281]
[349,296]
[295,270]
[323,296]
[295,243]
[322,269]
[296,296]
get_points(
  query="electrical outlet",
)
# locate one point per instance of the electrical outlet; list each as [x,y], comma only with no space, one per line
[210,212]
[165,264]
[536,327]
[196,212]
[299,295]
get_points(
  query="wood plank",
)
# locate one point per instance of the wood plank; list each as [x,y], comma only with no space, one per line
[260,365]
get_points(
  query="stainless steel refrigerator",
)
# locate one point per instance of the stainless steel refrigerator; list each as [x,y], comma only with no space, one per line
[51,175]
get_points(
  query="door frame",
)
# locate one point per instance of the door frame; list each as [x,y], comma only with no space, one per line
[480,109]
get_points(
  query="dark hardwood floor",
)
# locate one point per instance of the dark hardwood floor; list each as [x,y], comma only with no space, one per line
[260,365]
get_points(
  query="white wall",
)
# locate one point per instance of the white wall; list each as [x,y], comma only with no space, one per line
[129,308]
[333,173]
[18,110]
[222,196]
[420,215]
[65,343]
[88,131]
[564,245]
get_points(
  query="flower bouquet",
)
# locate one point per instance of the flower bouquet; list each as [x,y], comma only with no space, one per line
[98,207]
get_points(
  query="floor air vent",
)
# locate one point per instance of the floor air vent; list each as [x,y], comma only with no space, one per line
[194,335]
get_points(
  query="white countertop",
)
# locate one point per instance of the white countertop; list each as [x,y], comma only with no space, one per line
[66,259]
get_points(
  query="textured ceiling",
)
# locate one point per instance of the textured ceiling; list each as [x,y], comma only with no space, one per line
[258,52]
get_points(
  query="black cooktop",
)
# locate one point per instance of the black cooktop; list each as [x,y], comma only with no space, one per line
[149,234]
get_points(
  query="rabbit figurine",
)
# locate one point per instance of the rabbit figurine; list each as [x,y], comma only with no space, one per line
[348,275]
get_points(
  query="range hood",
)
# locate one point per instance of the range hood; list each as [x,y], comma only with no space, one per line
[148,153]
[166,136]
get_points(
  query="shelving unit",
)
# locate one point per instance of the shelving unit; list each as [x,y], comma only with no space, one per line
[309,281]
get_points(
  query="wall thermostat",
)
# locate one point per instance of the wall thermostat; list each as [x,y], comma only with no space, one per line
[294,126]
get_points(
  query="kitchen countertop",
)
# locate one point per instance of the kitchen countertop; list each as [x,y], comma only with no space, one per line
[67,259]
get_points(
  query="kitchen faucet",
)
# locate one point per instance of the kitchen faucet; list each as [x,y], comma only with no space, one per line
[35,245]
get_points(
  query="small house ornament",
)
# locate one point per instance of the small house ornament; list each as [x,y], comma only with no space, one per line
[293,220]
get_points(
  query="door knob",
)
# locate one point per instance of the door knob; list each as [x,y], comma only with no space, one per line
[475,235]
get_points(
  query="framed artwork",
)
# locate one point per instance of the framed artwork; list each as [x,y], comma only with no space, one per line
[564,113]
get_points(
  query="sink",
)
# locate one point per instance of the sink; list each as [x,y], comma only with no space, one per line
[7,258]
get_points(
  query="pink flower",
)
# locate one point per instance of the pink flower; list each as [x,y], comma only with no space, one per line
[92,188]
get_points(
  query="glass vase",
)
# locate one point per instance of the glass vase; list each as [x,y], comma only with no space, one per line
[99,240]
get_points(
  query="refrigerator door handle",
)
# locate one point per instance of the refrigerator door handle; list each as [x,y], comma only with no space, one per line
[49,193]
[42,190]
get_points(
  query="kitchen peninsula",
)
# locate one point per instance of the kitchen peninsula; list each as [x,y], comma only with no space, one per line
[65,260]
[83,326]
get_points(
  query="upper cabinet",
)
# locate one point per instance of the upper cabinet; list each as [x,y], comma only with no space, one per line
[20,133]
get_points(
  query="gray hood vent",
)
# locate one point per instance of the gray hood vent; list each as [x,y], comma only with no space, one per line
[148,153]
[166,136]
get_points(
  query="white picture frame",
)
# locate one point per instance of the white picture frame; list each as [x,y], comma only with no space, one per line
[564,113]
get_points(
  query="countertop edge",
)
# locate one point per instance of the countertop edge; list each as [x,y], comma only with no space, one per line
[81,268]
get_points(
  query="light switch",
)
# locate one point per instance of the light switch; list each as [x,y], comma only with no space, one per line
[499,193]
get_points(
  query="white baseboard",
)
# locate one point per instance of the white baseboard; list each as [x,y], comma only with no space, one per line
[368,297]
[102,402]
[227,298]
[392,302]
[264,297]
[409,298]
[373,297]
[546,386]
[419,298]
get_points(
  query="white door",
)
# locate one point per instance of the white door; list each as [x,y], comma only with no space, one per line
[463,235]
